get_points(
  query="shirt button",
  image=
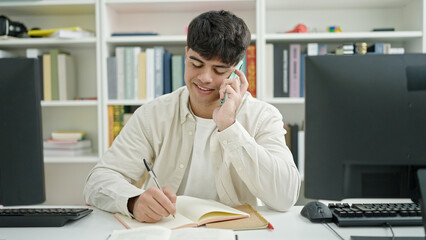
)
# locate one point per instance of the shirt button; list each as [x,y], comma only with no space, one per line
[181,166]
[190,133]
[225,142]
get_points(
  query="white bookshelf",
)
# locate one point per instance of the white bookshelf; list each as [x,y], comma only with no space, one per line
[266,19]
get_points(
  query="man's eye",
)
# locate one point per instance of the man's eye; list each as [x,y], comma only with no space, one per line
[197,66]
[220,73]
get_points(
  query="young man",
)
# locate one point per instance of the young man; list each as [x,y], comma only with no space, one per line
[232,153]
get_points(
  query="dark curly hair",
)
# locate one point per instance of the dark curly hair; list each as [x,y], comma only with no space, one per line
[219,35]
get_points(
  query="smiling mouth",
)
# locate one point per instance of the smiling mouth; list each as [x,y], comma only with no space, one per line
[204,89]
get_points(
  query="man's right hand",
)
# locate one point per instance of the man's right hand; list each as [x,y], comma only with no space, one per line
[152,205]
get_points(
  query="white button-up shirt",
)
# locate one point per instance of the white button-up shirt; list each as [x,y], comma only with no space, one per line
[250,158]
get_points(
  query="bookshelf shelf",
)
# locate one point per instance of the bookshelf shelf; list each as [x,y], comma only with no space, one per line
[127,102]
[48,42]
[345,36]
[78,159]
[285,100]
[53,7]
[158,40]
[70,103]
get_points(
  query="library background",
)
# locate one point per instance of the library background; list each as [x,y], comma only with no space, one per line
[119,55]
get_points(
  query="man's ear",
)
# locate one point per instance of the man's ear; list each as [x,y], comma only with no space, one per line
[186,50]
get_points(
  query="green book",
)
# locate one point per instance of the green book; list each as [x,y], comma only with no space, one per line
[54,72]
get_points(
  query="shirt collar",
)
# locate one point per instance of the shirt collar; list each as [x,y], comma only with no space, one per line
[185,113]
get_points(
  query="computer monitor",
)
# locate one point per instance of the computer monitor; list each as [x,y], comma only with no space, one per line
[365,125]
[21,144]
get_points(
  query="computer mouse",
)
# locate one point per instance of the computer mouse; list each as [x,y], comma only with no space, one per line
[317,212]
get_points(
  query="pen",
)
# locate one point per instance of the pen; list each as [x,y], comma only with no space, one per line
[153,176]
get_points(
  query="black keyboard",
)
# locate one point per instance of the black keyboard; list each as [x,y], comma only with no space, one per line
[395,214]
[40,217]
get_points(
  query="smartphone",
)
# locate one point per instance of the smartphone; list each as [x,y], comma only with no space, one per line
[232,76]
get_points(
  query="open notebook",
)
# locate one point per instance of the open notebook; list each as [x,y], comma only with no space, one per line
[190,212]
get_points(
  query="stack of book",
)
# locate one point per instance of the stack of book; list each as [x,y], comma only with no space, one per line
[57,72]
[67,143]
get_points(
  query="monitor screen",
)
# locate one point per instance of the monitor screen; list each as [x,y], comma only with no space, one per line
[365,125]
[21,144]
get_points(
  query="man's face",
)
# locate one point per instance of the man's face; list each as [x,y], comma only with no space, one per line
[203,78]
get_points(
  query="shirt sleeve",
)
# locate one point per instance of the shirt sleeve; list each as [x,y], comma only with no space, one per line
[263,161]
[110,183]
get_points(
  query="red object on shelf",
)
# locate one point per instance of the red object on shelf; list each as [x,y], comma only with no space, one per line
[300,28]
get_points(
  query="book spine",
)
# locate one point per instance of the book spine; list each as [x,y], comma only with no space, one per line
[167,57]
[118,119]
[128,73]
[112,77]
[47,82]
[150,72]
[136,51]
[286,73]
[278,61]
[110,125]
[158,74]
[251,69]
[302,75]
[294,70]
[177,72]
[62,85]
[41,67]
[142,75]
[269,80]
[119,54]
[54,73]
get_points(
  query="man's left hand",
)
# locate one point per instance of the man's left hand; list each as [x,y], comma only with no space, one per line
[225,115]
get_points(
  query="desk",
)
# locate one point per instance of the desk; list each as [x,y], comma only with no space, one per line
[289,225]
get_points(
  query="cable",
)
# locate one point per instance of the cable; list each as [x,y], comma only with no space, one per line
[390,226]
[334,231]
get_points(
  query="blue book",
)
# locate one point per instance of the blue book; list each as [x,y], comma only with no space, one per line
[167,72]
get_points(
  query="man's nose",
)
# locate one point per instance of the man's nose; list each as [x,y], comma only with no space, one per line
[206,76]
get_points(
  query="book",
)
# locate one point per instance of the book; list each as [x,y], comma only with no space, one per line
[269,80]
[294,68]
[158,73]
[54,72]
[67,84]
[177,72]
[150,73]
[281,70]
[71,34]
[190,212]
[162,233]
[167,72]
[254,221]
[68,135]
[112,77]
[66,144]
[119,55]
[47,82]
[251,69]
[110,125]
[142,75]
[66,152]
